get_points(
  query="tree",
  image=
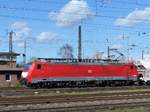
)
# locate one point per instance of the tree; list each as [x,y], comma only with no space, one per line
[34,59]
[66,51]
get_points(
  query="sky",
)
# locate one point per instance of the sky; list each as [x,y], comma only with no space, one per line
[46,25]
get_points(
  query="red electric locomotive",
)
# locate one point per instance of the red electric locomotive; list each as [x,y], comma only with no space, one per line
[73,73]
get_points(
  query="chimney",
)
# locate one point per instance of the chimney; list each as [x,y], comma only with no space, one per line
[79,45]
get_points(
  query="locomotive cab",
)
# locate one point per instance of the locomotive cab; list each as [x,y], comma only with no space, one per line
[34,73]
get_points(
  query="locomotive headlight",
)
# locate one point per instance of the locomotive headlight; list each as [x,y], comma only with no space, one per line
[24,74]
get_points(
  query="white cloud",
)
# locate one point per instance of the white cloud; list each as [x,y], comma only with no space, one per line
[20,44]
[72,13]
[137,16]
[117,46]
[45,37]
[21,29]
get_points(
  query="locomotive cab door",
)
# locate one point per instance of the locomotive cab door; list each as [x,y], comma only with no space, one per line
[131,71]
[42,70]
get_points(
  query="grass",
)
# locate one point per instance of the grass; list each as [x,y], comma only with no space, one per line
[18,84]
[137,109]
[89,92]
[72,93]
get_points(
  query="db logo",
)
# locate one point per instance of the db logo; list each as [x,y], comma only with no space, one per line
[90,71]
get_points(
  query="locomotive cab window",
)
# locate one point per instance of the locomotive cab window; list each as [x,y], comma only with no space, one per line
[39,66]
[132,67]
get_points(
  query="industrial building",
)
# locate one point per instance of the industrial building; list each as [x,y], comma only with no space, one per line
[9,72]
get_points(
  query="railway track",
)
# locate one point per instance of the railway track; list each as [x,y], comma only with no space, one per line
[10,92]
[88,108]
[75,102]
[59,99]
[86,105]
[25,100]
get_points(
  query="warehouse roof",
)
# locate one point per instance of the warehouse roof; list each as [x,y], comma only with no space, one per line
[10,69]
[8,54]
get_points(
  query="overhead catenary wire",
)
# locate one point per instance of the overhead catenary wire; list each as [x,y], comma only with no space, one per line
[47,20]
[47,10]
[3,6]
[42,19]
[99,1]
